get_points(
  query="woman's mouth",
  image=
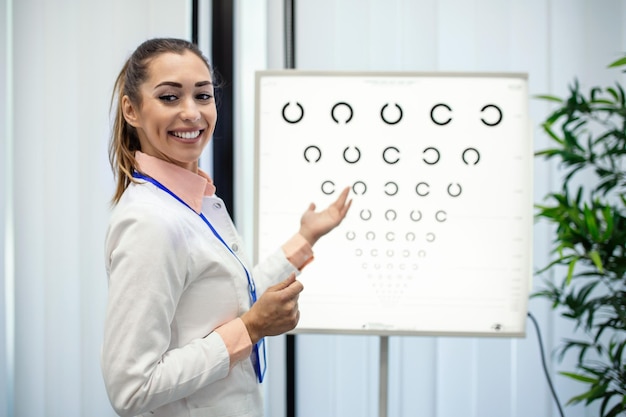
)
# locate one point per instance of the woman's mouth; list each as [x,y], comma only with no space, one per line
[187,136]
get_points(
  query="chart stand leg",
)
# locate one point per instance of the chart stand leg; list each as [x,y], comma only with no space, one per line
[383,378]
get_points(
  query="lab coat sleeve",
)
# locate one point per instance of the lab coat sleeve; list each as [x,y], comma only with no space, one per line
[146,263]
[294,255]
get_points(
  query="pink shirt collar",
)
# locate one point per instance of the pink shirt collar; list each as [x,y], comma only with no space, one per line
[190,187]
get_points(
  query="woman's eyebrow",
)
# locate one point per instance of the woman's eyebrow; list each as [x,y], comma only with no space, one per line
[179,85]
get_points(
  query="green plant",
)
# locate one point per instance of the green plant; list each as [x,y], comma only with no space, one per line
[588,282]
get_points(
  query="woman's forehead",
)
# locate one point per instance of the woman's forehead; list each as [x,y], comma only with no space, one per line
[174,66]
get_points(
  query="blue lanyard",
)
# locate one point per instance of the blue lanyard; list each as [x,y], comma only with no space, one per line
[258,366]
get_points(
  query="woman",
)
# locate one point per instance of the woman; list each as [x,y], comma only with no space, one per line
[186,316]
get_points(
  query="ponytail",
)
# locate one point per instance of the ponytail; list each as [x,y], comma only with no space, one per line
[124,140]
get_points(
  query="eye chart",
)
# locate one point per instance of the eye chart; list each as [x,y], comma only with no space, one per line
[439,236]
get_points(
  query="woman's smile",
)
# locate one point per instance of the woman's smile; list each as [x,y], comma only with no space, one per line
[188,136]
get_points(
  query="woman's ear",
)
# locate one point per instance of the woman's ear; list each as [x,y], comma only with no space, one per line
[129,112]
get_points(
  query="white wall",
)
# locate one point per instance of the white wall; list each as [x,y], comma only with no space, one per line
[66,55]
[4,173]
[551,40]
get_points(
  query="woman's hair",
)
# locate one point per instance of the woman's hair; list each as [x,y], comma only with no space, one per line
[124,140]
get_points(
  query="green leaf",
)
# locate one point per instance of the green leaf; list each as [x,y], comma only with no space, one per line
[578,377]
[549,98]
[597,261]
[570,269]
[620,62]
[590,221]
[602,101]
[613,93]
[622,96]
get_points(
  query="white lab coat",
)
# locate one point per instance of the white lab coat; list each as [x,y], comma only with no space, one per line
[171,283]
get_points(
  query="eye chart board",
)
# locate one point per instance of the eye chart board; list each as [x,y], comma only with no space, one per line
[438,240]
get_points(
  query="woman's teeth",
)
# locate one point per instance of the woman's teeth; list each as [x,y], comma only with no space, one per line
[187,135]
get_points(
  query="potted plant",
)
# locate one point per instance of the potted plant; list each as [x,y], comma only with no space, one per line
[585,280]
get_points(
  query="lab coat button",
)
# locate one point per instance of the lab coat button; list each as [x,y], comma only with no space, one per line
[235,247]
[217,206]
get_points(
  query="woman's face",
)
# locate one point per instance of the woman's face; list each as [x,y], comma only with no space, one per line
[177,114]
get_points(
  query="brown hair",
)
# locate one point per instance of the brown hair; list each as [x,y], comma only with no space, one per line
[124,140]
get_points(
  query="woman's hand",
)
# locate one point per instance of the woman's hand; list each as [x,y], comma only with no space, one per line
[275,312]
[314,225]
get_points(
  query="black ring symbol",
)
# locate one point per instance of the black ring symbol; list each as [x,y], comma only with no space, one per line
[365,214]
[295,120]
[382,114]
[350,235]
[441,216]
[421,253]
[393,192]
[374,252]
[417,189]
[390,252]
[390,236]
[471,150]
[432,114]
[341,103]
[328,192]
[370,236]
[358,252]
[458,193]
[430,237]
[319,153]
[410,236]
[354,187]
[436,152]
[406,253]
[499,115]
[385,155]
[358,155]
[391,213]
[418,218]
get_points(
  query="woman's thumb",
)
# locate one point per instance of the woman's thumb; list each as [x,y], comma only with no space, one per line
[284,284]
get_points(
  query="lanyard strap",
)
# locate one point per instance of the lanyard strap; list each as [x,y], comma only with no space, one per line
[251,285]
[259,361]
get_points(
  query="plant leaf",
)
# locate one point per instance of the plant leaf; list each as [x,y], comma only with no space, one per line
[570,269]
[620,62]
[578,377]
[595,257]
[550,98]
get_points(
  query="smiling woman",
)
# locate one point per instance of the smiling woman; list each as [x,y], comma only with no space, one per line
[176,115]
[159,110]
[186,314]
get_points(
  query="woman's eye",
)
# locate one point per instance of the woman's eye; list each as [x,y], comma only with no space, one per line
[204,97]
[167,97]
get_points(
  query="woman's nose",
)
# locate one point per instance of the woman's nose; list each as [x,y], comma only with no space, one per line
[190,111]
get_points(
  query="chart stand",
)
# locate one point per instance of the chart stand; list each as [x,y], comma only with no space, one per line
[383,378]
